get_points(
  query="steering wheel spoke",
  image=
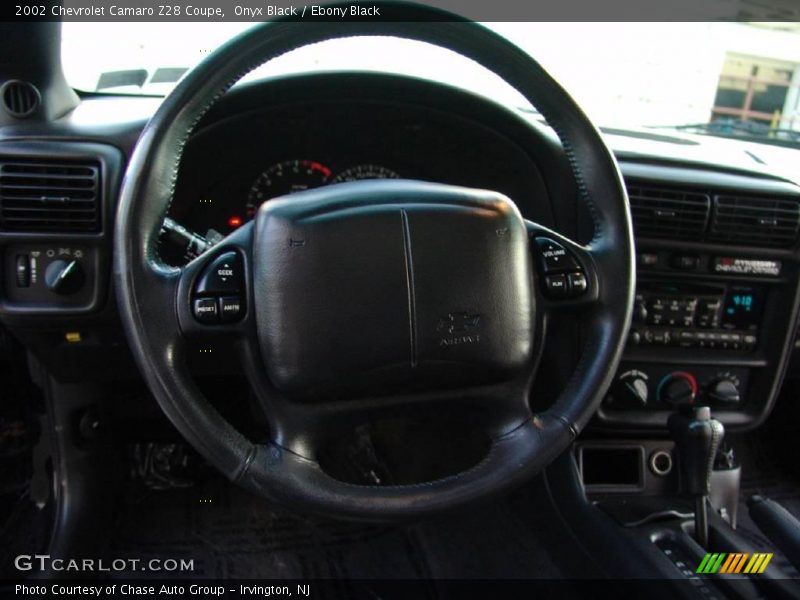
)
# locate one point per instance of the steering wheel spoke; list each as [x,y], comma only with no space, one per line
[566,271]
[214,295]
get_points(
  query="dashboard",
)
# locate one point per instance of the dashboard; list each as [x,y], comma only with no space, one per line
[237,163]
[717,240]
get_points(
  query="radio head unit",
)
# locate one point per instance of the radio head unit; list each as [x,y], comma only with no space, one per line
[718,316]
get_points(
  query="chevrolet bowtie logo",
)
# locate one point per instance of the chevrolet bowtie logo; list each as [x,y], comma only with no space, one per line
[458,322]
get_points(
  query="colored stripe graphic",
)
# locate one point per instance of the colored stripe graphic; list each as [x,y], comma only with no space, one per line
[729,562]
[735,562]
[738,566]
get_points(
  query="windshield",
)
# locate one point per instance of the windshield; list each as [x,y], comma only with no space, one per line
[732,79]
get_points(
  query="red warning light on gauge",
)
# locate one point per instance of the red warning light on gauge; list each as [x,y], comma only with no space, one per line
[235,221]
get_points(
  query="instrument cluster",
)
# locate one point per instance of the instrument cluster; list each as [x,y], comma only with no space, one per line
[180,243]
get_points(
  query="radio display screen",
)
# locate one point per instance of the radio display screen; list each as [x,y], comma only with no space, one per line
[742,308]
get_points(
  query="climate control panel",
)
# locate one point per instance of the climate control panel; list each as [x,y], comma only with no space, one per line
[662,387]
[44,275]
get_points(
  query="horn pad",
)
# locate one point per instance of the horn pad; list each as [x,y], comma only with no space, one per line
[385,286]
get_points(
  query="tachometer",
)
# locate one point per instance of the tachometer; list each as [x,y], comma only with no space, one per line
[283,178]
[367,171]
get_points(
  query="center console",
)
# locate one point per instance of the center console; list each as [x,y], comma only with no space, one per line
[713,322]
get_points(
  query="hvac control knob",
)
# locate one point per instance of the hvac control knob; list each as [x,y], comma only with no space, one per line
[679,387]
[629,391]
[64,277]
[724,391]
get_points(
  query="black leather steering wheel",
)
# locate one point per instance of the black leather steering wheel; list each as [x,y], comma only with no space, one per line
[363,299]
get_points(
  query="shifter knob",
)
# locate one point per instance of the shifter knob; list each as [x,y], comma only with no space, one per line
[697,437]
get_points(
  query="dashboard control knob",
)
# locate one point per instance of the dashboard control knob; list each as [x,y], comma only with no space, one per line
[629,391]
[724,391]
[64,277]
[640,312]
[679,387]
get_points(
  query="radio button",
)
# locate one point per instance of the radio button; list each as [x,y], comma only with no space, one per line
[230,308]
[206,310]
[684,262]
[657,303]
[554,257]
[224,275]
[661,338]
[577,283]
[648,259]
[556,286]
[686,339]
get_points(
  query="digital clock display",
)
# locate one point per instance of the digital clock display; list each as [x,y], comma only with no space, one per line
[742,308]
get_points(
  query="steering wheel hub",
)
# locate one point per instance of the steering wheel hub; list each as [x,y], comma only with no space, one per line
[363,287]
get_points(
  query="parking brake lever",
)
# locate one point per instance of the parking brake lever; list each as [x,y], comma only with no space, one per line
[697,437]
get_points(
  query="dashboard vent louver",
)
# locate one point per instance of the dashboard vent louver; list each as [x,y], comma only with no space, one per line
[668,213]
[755,221]
[49,196]
[20,98]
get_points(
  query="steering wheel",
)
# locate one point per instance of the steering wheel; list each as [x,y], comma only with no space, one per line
[363,299]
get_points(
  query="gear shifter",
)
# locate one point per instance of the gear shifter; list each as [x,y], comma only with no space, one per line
[697,437]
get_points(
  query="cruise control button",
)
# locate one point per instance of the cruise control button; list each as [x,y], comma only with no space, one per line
[577,283]
[230,308]
[556,285]
[224,275]
[206,310]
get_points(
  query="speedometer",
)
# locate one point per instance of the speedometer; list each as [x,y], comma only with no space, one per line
[367,171]
[283,178]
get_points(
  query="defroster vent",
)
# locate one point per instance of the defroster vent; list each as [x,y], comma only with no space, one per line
[49,196]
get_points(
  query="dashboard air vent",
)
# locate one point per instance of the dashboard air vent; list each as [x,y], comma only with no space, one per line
[755,221]
[49,196]
[20,98]
[668,213]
